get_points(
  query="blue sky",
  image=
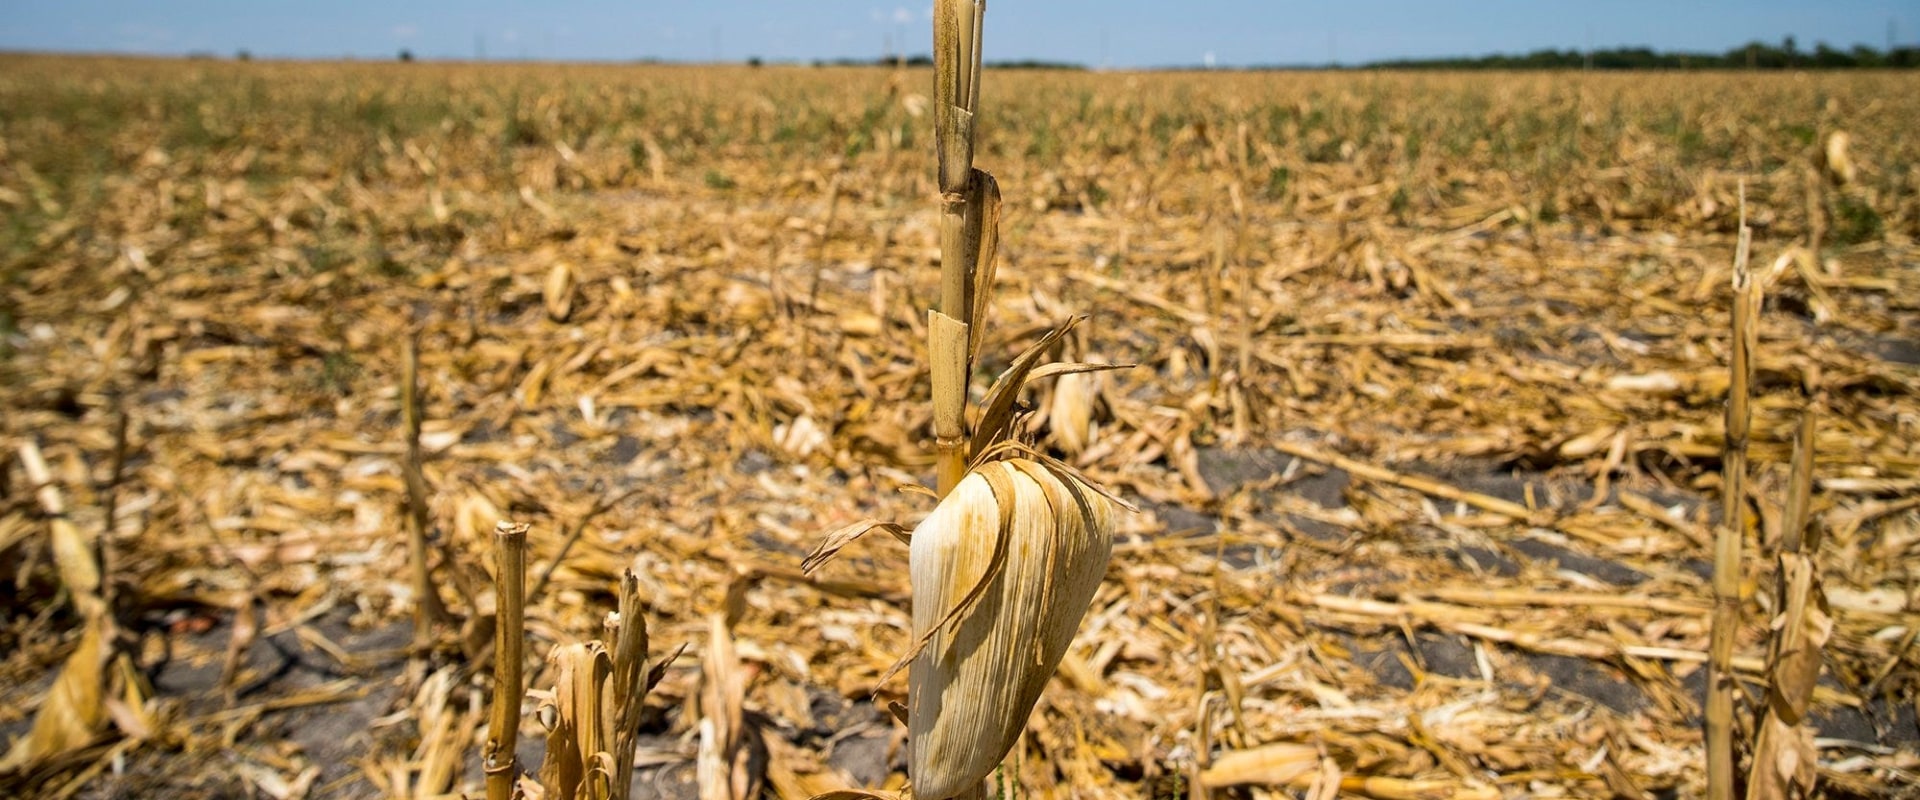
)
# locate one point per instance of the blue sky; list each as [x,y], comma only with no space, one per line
[1119,33]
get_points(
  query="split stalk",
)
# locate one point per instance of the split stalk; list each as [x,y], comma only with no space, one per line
[1785,757]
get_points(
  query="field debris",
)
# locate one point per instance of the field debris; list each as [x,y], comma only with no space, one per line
[1427,426]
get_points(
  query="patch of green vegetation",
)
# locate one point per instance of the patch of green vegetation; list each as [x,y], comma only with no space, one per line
[324,256]
[715,179]
[385,264]
[1548,212]
[1278,179]
[1855,221]
[337,373]
[1003,789]
[1043,143]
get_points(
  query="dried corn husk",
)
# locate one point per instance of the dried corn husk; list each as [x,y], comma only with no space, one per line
[1278,764]
[1003,570]
[1070,415]
[593,711]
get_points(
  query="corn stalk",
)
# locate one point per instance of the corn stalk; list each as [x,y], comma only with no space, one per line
[1005,567]
[503,726]
[1785,759]
[1726,549]
[428,610]
[969,225]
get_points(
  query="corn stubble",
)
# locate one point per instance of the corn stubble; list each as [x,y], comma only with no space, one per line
[592,712]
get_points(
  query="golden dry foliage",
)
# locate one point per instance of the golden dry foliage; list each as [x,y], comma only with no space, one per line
[1466,333]
[1003,570]
[592,710]
[95,684]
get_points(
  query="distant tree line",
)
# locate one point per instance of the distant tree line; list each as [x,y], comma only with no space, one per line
[923,60]
[1754,55]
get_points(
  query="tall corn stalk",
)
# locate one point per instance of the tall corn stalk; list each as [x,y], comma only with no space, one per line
[1006,565]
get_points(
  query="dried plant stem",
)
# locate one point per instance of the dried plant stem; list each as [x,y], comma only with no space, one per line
[1783,751]
[1726,550]
[969,202]
[947,352]
[110,505]
[630,678]
[428,610]
[1418,483]
[1798,535]
[503,726]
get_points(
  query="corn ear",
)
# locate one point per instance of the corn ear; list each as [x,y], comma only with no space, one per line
[1002,572]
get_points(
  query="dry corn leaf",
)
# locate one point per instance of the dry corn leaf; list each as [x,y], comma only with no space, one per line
[73,712]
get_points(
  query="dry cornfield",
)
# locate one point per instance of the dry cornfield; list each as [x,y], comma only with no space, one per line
[1426,430]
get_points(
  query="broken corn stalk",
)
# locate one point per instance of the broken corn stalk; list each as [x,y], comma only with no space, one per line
[1003,570]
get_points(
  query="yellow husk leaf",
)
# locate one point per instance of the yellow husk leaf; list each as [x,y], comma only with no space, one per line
[971,688]
[72,547]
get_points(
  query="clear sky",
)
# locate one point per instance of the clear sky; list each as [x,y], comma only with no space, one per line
[1118,33]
